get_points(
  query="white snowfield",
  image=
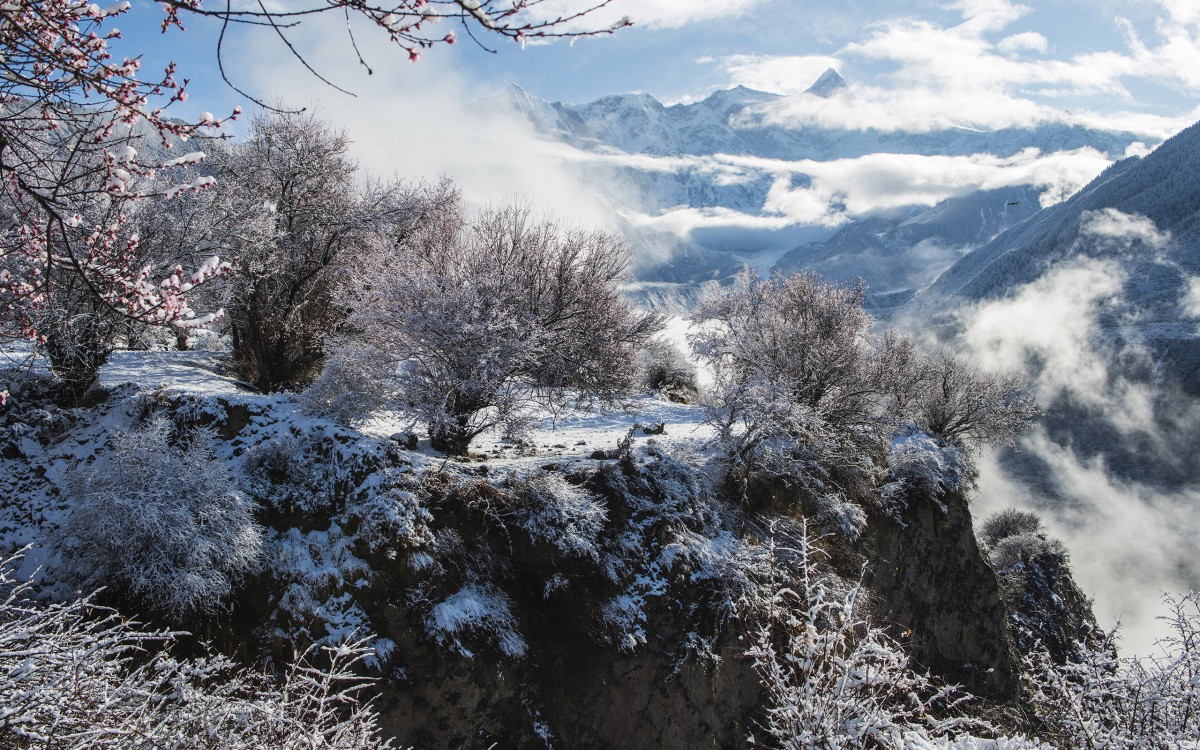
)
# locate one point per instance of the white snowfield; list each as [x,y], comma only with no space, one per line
[566,433]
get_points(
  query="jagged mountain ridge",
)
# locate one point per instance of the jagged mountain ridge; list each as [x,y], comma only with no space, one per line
[894,253]
[639,123]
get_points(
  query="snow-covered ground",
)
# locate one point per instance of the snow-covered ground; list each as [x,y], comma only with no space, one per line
[36,467]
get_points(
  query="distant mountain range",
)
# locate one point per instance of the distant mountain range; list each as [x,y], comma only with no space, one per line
[640,124]
[895,253]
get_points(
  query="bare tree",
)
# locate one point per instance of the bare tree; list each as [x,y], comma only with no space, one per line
[804,391]
[806,339]
[298,223]
[485,318]
[961,404]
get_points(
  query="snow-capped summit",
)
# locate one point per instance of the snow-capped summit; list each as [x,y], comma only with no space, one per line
[829,84]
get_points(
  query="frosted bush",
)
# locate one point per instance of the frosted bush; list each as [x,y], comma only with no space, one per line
[835,681]
[356,381]
[925,463]
[305,473]
[1020,549]
[392,521]
[1103,701]
[553,510]
[1011,522]
[836,515]
[204,340]
[667,369]
[76,676]
[488,317]
[160,521]
[1015,537]
[477,610]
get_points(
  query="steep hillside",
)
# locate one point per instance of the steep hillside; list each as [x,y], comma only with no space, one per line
[1162,187]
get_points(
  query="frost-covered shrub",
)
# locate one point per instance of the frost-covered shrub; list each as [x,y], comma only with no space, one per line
[204,340]
[1015,537]
[1103,701]
[392,521]
[959,403]
[304,473]
[835,681]
[357,380]
[1020,549]
[836,515]
[797,394]
[486,317]
[159,518]
[551,509]
[1010,522]
[770,439]
[478,611]
[667,369]
[927,464]
[76,676]
[802,382]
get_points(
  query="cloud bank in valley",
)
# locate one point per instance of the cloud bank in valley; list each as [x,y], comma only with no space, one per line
[1129,540]
[830,193]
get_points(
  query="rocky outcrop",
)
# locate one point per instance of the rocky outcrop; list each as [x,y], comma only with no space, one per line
[937,589]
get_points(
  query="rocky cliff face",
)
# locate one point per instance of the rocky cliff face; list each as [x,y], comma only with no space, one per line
[932,582]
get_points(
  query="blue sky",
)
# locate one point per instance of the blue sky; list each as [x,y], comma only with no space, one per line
[1136,61]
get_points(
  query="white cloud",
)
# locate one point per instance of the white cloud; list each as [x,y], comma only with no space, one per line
[1128,541]
[416,121]
[971,75]
[833,192]
[1191,300]
[850,188]
[1050,322]
[789,74]
[1026,41]
[1114,225]
[685,220]
[988,15]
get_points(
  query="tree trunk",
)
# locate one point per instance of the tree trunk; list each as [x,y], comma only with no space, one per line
[452,436]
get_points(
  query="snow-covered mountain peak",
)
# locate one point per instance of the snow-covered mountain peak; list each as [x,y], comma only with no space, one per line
[739,96]
[829,84]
